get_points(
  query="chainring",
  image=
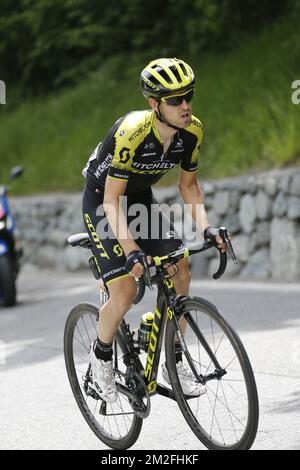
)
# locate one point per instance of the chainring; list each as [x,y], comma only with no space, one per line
[141,405]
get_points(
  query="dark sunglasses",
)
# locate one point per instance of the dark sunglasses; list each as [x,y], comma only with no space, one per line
[176,100]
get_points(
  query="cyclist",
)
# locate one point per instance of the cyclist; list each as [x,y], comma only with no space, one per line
[139,148]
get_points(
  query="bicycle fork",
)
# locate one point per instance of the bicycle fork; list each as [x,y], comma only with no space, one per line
[219,371]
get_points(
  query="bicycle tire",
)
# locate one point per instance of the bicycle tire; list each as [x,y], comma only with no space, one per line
[8,291]
[246,439]
[134,430]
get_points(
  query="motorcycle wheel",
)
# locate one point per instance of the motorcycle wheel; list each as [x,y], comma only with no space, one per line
[8,293]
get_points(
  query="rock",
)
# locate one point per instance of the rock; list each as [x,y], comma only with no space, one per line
[232,270]
[213,218]
[293,207]
[47,256]
[258,266]
[252,184]
[57,238]
[208,201]
[280,205]
[241,246]
[285,250]
[199,266]
[284,183]
[221,202]
[238,184]
[295,185]
[207,188]
[247,213]
[232,223]
[234,199]
[74,259]
[261,237]
[263,205]
[271,186]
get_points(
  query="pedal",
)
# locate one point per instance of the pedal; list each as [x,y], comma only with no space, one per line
[92,393]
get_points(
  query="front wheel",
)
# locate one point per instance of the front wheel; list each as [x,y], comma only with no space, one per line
[226,416]
[114,424]
[8,292]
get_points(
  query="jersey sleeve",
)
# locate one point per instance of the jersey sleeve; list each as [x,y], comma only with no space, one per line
[120,167]
[128,137]
[189,162]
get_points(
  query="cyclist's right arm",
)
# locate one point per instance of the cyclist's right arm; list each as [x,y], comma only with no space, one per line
[115,215]
[118,222]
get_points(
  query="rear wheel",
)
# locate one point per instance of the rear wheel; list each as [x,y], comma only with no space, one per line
[226,416]
[8,292]
[114,424]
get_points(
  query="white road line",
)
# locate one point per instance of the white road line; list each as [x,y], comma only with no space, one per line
[54,294]
[211,285]
[253,286]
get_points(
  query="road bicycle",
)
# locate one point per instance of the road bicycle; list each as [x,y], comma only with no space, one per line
[223,418]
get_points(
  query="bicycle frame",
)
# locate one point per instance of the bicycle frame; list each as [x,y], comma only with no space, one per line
[165,293]
[167,309]
[162,312]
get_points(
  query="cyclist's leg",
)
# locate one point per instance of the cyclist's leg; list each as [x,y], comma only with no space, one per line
[181,283]
[182,278]
[111,260]
[121,293]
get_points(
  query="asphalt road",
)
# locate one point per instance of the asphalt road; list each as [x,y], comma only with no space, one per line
[38,411]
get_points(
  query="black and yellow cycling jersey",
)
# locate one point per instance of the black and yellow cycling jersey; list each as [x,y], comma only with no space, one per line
[133,151]
[155,233]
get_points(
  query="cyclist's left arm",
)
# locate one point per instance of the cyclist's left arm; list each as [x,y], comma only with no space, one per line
[192,196]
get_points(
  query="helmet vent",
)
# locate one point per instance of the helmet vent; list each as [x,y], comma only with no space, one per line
[154,81]
[183,69]
[165,76]
[176,73]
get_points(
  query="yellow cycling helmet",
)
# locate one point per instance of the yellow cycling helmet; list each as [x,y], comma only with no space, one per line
[162,77]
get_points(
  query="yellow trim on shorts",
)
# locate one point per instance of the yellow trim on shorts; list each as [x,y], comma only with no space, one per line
[116,179]
[116,278]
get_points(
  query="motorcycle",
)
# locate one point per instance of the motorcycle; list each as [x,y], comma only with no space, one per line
[10,253]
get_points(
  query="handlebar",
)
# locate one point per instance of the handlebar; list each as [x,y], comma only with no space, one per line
[175,256]
[223,256]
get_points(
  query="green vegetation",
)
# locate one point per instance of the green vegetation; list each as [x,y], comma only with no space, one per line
[243,98]
[45,44]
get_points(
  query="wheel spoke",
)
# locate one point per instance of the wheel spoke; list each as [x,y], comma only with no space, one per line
[119,421]
[220,417]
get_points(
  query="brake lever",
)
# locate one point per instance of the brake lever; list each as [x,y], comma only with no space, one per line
[146,275]
[226,239]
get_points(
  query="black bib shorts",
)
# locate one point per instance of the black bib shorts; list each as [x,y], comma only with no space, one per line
[152,230]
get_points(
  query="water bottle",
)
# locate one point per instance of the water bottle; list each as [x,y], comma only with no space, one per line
[145,330]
